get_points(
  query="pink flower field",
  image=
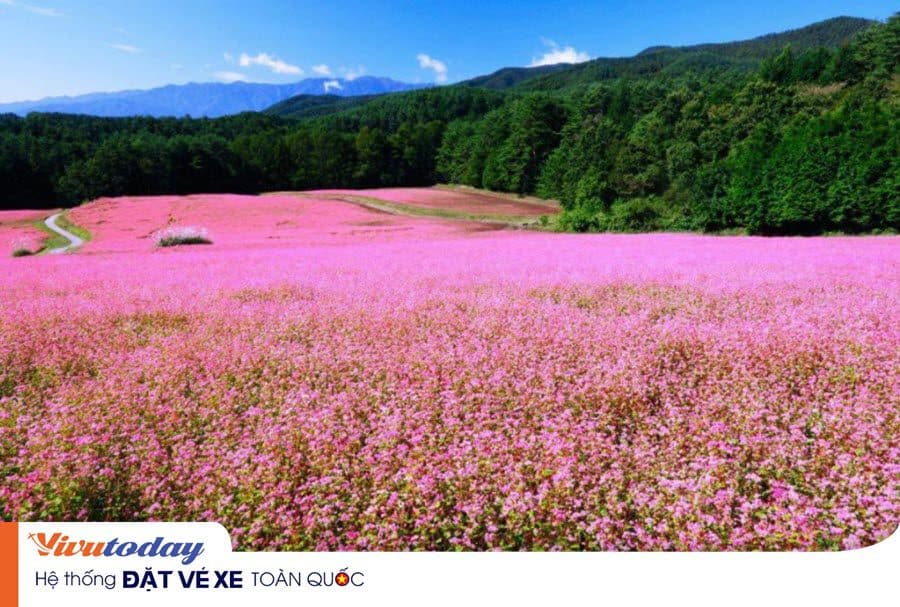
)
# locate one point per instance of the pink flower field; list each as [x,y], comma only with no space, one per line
[325,376]
[17,231]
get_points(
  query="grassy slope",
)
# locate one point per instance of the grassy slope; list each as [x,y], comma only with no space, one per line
[398,208]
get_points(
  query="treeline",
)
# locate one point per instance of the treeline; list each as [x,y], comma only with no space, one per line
[53,159]
[806,142]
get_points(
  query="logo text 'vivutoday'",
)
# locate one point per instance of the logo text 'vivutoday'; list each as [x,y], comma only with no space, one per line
[58,544]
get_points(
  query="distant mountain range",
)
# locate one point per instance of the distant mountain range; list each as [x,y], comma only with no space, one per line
[205,99]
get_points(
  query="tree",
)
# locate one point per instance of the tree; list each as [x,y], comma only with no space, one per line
[536,124]
[779,69]
[373,157]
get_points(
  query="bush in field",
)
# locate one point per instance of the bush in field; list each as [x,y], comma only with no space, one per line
[579,220]
[648,214]
[177,235]
[22,248]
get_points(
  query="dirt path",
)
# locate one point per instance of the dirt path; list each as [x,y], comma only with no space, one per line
[74,241]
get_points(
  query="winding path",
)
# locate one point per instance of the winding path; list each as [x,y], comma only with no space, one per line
[74,241]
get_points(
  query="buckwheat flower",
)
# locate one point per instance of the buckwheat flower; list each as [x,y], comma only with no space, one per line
[422,385]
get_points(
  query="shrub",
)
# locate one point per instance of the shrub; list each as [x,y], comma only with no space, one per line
[23,248]
[578,220]
[178,235]
[637,215]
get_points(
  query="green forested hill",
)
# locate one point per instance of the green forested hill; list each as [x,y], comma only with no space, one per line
[804,143]
[508,77]
[789,133]
[743,55]
[313,106]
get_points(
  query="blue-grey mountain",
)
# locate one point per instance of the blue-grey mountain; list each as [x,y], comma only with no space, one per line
[204,99]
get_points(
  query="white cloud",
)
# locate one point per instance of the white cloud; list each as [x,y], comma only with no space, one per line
[557,54]
[430,63]
[230,76]
[43,11]
[321,70]
[177,66]
[125,48]
[265,60]
[332,85]
[352,73]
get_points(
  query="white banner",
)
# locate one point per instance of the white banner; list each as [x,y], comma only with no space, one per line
[172,564]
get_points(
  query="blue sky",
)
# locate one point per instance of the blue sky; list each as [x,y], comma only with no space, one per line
[66,47]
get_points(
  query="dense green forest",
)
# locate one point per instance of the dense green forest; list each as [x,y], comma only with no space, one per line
[794,133]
